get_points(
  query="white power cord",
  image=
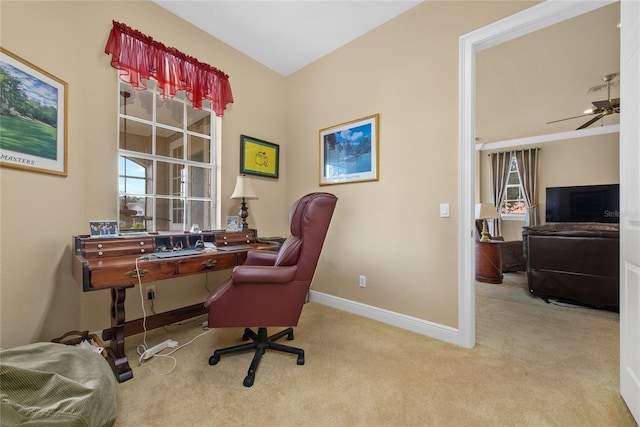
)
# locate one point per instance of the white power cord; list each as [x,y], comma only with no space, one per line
[143,348]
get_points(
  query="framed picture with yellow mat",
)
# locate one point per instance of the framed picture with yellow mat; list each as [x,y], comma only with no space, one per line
[258,157]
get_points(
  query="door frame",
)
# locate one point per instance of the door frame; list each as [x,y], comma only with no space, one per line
[509,28]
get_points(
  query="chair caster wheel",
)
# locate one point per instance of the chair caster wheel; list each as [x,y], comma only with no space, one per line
[214,359]
[300,360]
[248,381]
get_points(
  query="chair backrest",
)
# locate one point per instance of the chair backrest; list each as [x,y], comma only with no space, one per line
[264,301]
[309,221]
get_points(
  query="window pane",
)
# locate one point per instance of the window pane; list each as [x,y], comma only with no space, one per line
[199,182]
[170,112]
[135,213]
[169,214]
[171,179]
[136,103]
[199,121]
[169,143]
[135,176]
[513,193]
[199,213]
[513,179]
[135,136]
[199,149]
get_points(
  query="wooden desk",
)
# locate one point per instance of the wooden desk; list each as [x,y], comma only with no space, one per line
[119,263]
[489,261]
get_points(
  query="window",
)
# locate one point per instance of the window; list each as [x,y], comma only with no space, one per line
[513,204]
[166,162]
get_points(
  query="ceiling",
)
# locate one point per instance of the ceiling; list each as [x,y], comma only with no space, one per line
[521,84]
[286,35]
[543,76]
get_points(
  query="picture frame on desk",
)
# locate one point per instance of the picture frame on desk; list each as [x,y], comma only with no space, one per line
[103,229]
[33,133]
[233,223]
[349,152]
[258,157]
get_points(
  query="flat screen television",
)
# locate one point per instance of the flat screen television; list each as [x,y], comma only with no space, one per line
[584,203]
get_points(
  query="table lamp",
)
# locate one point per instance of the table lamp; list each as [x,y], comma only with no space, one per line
[244,190]
[485,211]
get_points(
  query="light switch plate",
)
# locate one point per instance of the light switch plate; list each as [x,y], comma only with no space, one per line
[444,210]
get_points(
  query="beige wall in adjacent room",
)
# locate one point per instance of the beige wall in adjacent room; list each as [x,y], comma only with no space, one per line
[39,299]
[583,161]
[390,230]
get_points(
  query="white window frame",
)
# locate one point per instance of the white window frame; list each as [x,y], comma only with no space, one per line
[183,195]
[513,169]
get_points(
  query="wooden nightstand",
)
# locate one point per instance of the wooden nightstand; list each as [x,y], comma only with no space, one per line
[489,261]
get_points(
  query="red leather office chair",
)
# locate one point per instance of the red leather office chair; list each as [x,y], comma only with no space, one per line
[270,288]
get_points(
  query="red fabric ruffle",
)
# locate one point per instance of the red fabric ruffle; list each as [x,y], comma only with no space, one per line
[139,57]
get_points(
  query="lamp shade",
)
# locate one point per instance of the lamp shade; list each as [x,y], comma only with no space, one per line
[486,211]
[244,189]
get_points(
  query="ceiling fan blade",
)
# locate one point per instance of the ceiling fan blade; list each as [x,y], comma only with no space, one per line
[592,121]
[569,118]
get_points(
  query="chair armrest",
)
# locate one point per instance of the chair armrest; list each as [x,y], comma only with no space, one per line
[263,274]
[261,258]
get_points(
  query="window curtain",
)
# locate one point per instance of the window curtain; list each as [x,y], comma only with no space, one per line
[139,57]
[500,163]
[527,161]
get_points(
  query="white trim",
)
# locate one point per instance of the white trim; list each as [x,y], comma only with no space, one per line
[539,139]
[413,324]
[535,18]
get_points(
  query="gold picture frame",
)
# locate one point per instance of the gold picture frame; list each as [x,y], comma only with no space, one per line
[349,152]
[33,123]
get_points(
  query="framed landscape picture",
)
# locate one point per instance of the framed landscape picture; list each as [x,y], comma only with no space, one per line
[33,117]
[349,152]
[258,157]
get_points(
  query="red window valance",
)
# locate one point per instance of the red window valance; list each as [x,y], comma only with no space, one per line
[139,57]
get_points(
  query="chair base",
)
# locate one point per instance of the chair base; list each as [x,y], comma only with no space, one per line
[261,342]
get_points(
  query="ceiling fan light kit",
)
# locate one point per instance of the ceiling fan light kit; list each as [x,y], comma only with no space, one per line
[600,108]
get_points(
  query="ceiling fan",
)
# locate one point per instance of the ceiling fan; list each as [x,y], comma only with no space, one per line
[600,108]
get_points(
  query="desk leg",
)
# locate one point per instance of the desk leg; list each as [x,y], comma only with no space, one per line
[116,356]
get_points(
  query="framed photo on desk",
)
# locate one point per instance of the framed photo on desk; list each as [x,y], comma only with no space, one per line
[103,228]
[233,223]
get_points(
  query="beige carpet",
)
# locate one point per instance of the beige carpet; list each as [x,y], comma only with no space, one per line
[535,364]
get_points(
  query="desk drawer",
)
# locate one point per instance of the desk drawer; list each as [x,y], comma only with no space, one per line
[210,263]
[126,276]
[234,239]
[117,247]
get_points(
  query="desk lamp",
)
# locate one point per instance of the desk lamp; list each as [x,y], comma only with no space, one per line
[485,211]
[244,190]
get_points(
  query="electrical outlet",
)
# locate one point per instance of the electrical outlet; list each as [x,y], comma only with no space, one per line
[150,291]
[363,281]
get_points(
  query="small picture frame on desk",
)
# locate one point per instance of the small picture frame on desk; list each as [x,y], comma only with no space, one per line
[103,228]
[233,223]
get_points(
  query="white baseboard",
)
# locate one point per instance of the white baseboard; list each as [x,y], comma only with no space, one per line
[420,326]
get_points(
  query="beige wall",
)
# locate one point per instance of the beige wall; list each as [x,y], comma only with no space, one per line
[390,231]
[39,299]
[582,161]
